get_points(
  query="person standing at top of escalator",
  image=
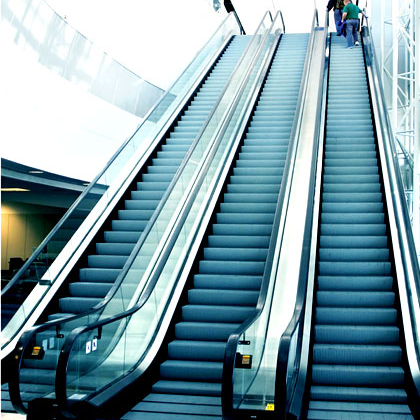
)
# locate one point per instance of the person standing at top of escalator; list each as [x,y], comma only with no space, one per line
[338,6]
[351,16]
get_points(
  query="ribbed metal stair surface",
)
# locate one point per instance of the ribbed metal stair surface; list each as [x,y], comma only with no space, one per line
[102,269]
[357,371]
[226,286]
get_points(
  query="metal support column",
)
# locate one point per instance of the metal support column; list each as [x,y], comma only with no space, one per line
[400,77]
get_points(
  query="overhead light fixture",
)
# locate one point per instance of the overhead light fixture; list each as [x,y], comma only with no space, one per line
[36,172]
[14,189]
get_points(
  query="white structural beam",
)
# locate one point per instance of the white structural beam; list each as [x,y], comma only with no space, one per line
[395,51]
[396,24]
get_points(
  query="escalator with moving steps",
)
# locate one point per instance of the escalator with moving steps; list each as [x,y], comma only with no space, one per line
[358,368]
[94,275]
[224,286]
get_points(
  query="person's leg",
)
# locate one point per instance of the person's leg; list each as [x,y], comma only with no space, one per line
[337,18]
[349,34]
[356,33]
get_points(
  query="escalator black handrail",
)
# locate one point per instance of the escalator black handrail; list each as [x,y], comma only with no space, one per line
[64,358]
[297,318]
[88,189]
[231,9]
[27,337]
[233,340]
[18,331]
[406,244]
[282,22]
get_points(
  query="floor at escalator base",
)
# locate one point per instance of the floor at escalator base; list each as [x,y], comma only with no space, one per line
[329,410]
[174,407]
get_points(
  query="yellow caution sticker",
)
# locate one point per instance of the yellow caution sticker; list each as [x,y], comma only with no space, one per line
[246,359]
[36,351]
[270,407]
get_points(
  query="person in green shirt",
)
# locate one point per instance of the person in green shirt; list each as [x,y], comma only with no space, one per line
[351,16]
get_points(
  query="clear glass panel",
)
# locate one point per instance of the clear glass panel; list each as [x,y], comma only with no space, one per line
[39,273]
[405,161]
[292,359]
[48,38]
[129,346]
[254,388]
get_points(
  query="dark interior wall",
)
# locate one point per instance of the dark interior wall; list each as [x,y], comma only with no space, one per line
[23,227]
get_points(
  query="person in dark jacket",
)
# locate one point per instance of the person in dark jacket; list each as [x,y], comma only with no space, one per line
[338,6]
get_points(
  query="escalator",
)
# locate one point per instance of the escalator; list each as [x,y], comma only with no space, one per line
[357,357]
[224,287]
[358,365]
[221,292]
[92,278]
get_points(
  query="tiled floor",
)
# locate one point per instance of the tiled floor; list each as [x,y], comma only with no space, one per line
[9,416]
